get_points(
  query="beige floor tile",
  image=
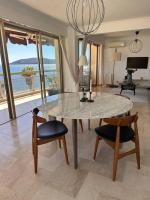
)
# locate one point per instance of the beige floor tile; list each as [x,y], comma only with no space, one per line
[49,193]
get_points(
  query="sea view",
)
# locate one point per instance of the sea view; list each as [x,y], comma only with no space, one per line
[18,81]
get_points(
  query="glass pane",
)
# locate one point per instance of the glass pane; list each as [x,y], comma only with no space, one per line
[85,76]
[24,69]
[4,115]
[51,64]
[94,64]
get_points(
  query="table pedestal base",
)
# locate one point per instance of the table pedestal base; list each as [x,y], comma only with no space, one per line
[75,142]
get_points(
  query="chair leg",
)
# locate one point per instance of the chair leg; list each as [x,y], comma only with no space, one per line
[35,146]
[65,149]
[59,140]
[137,146]
[115,162]
[96,146]
[32,147]
[100,122]
[81,124]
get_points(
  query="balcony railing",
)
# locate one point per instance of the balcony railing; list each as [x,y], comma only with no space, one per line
[23,86]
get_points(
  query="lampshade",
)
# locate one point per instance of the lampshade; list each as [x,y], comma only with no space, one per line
[117,56]
[83,60]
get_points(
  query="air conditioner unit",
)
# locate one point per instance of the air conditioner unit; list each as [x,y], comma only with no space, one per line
[116,44]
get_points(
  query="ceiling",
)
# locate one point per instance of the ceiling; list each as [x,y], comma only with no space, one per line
[115,9]
[125,34]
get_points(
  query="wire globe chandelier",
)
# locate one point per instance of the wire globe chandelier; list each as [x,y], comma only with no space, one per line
[136,45]
[85,16]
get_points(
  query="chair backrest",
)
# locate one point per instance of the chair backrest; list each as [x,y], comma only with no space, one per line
[35,111]
[36,119]
[122,121]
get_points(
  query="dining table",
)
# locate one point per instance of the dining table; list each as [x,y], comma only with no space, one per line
[69,106]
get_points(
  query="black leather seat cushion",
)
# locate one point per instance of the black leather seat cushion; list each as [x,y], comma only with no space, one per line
[51,129]
[109,132]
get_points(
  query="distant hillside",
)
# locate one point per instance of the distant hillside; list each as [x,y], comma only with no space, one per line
[29,61]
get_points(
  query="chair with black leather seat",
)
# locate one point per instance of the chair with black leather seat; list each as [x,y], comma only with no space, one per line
[118,130]
[46,132]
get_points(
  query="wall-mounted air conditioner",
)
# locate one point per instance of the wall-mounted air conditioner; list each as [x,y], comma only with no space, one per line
[116,44]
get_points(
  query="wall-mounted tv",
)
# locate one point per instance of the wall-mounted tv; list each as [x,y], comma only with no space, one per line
[137,62]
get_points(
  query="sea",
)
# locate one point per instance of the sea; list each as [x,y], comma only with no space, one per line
[18,81]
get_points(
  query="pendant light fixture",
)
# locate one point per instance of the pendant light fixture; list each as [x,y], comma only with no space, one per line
[85,16]
[136,45]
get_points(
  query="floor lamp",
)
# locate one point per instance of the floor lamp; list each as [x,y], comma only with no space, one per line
[116,57]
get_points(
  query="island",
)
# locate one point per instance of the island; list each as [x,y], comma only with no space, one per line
[29,61]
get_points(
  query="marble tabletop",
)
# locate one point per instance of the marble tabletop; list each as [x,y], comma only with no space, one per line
[68,105]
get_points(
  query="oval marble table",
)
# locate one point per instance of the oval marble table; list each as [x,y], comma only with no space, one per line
[68,105]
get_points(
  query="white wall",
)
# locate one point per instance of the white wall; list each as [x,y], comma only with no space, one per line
[21,13]
[120,69]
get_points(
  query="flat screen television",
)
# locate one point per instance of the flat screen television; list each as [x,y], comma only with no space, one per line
[137,62]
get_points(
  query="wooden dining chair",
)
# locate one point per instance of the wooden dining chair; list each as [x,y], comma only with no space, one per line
[117,131]
[126,114]
[44,132]
[80,122]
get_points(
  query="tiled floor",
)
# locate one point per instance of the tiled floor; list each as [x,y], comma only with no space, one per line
[57,181]
[23,105]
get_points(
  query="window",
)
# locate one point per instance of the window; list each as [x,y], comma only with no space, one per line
[89,71]
[33,66]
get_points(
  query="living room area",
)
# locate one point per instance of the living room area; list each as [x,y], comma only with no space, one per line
[74,103]
[132,63]
[123,62]
[124,59]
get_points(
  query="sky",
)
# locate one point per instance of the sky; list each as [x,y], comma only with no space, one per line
[17,52]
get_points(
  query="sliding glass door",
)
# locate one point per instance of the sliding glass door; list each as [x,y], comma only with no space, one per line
[24,68]
[7,107]
[51,65]
[4,115]
[31,69]
[90,70]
